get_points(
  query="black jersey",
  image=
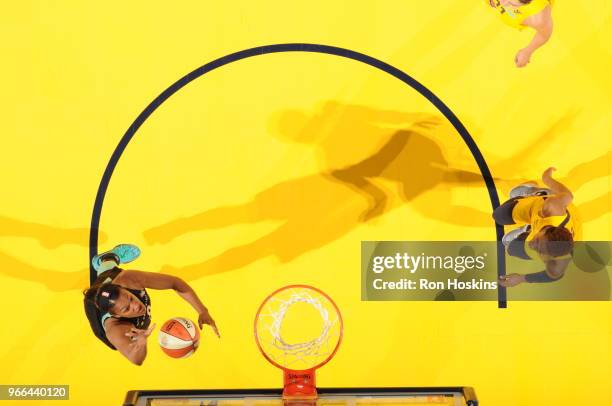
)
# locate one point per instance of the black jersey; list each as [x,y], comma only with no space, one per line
[140,322]
[96,319]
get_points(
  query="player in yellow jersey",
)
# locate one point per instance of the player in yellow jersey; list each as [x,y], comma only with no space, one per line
[549,228]
[519,14]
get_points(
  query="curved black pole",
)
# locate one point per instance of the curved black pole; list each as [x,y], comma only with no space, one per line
[317,48]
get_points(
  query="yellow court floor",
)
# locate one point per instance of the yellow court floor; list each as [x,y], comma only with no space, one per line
[233,184]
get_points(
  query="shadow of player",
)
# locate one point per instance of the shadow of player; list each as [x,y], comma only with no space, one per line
[577,177]
[51,238]
[520,162]
[315,210]
[48,236]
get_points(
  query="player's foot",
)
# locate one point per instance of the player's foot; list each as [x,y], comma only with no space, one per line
[528,189]
[121,254]
[512,235]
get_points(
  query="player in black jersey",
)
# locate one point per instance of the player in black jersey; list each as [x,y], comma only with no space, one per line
[119,308]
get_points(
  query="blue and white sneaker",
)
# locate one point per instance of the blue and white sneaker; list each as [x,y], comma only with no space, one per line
[121,254]
[528,189]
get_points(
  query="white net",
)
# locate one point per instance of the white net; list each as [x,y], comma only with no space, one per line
[323,333]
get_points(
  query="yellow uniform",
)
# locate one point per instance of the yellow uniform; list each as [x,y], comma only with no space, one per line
[515,16]
[528,210]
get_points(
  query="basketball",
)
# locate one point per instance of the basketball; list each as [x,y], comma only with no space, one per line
[179,337]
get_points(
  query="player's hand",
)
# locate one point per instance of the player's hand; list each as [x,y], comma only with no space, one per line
[522,58]
[137,334]
[511,280]
[548,173]
[205,318]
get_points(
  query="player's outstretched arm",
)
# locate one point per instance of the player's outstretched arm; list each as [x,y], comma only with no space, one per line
[153,280]
[555,269]
[542,23]
[128,340]
[561,198]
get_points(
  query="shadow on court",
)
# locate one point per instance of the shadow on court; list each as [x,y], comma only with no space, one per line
[50,238]
[403,160]
[584,173]
[506,170]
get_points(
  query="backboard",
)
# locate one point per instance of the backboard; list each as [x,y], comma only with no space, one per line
[446,396]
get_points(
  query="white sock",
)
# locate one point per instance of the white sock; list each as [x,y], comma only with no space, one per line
[106,265]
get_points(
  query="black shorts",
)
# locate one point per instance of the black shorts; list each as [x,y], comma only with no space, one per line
[503,214]
[503,217]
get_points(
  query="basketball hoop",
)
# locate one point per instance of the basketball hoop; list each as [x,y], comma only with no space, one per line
[298,358]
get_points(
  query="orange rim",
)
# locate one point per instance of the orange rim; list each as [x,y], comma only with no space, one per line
[293,287]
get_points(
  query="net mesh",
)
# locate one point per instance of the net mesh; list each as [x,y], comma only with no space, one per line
[305,354]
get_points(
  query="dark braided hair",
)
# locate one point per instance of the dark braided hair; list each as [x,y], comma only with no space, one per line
[98,300]
[106,296]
